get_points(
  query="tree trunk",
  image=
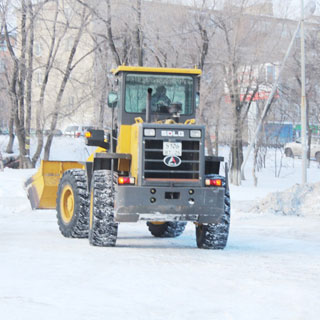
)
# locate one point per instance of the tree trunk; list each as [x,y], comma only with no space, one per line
[37,153]
[102,104]
[254,167]
[209,143]
[216,141]
[309,131]
[217,128]
[20,112]
[236,151]
[29,81]
[48,67]
[110,35]
[138,36]
[9,148]
[1,162]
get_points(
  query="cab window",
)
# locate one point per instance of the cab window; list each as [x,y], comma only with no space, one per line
[166,90]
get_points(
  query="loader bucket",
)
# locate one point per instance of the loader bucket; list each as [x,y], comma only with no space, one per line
[42,187]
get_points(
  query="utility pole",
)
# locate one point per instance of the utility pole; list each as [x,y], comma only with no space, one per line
[310,9]
[268,102]
[303,100]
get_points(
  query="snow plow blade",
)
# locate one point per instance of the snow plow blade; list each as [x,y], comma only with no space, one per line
[42,187]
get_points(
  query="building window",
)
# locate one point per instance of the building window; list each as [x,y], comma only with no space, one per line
[68,13]
[69,43]
[37,49]
[2,65]
[3,45]
[270,74]
[38,77]
[71,101]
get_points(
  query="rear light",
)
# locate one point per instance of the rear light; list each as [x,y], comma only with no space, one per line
[125,180]
[213,182]
[88,134]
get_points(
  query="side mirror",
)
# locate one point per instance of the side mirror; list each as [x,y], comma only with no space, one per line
[112,99]
[197,99]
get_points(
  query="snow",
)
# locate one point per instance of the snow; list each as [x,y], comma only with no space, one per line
[297,200]
[269,270]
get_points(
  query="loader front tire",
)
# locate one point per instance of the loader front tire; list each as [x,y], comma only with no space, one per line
[73,204]
[166,229]
[215,235]
[103,230]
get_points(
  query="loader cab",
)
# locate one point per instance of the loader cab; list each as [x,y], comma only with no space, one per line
[173,91]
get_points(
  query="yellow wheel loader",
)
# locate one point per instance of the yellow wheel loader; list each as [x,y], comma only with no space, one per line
[151,167]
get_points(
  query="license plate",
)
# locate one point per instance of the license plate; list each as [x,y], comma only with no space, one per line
[172,148]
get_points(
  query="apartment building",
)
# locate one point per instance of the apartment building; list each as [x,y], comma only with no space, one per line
[5,73]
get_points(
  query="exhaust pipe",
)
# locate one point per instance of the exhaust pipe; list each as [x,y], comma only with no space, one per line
[148,108]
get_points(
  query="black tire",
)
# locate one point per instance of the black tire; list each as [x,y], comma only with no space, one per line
[288,152]
[167,229]
[103,230]
[215,235]
[73,204]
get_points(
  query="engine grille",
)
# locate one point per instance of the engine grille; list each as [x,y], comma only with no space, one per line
[154,167]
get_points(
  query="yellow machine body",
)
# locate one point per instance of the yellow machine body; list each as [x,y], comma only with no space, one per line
[42,187]
[128,143]
[155,70]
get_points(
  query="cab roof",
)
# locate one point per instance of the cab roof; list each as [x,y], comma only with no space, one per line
[155,70]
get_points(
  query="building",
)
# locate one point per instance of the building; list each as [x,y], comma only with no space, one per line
[56,29]
[5,74]
[262,42]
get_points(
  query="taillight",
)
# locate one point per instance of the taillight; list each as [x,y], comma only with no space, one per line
[213,182]
[125,180]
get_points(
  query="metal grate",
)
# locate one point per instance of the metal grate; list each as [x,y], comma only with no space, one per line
[154,167]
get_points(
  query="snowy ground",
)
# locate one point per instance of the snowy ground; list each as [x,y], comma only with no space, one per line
[269,270]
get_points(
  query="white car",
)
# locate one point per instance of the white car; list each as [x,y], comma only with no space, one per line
[76,131]
[71,131]
[294,149]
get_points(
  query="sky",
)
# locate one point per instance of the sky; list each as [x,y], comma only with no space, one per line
[292,8]
[282,8]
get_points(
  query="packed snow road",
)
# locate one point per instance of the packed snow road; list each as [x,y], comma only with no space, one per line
[269,270]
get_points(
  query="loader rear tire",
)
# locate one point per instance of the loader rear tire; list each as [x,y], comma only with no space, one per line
[167,229]
[73,204]
[103,230]
[215,235]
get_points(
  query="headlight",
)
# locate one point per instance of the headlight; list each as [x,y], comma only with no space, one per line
[195,133]
[149,132]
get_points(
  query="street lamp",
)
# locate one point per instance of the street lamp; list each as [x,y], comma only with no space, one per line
[310,8]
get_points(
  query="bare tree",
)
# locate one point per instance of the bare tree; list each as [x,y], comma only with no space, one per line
[29,76]
[241,63]
[17,90]
[21,78]
[53,47]
[84,20]
[25,64]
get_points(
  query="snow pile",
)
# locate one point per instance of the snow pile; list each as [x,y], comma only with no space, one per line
[300,200]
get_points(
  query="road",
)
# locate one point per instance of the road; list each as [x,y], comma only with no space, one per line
[269,270]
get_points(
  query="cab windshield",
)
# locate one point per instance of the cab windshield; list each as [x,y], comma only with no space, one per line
[167,90]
